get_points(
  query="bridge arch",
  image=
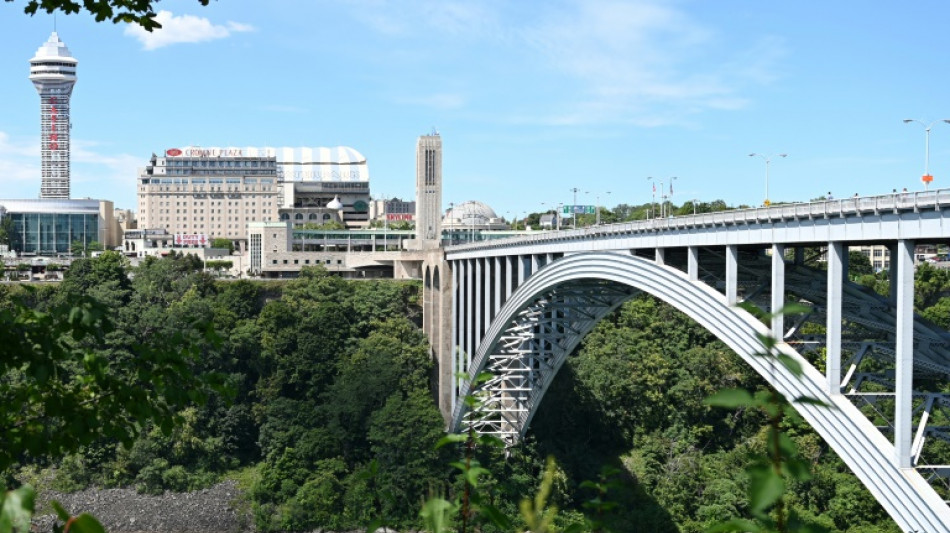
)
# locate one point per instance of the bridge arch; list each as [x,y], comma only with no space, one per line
[542,322]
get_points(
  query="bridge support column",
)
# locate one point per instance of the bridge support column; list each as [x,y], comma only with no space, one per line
[692,263]
[732,274]
[479,302]
[457,270]
[522,269]
[904,381]
[660,256]
[836,251]
[498,279]
[778,291]
[469,312]
[509,275]
[892,273]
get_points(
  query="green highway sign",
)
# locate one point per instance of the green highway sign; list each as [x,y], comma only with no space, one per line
[578,210]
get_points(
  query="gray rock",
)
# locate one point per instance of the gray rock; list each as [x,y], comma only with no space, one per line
[210,510]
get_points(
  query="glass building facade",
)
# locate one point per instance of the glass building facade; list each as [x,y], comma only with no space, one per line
[51,226]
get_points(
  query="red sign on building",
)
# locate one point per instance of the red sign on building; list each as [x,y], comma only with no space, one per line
[191,239]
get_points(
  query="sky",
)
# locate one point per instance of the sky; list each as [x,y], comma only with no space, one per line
[537,102]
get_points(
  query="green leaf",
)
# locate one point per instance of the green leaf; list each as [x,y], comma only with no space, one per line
[436,514]
[495,516]
[752,309]
[765,488]
[61,512]
[792,364]
[451,438]
[808,400]
[86,523]
[730,398]
[795,308]
[471,476]
[16,509]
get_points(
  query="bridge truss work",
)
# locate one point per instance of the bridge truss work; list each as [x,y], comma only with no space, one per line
[517,309]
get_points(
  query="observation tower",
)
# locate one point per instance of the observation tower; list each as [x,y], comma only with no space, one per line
[53,73]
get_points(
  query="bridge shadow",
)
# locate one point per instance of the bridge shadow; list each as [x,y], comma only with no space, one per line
[572,427]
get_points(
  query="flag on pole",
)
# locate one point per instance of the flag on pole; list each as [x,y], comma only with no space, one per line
[654,188]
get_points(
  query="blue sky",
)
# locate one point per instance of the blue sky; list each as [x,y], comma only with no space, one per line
[532,98]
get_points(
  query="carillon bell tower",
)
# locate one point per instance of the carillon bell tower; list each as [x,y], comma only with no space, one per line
[429,190]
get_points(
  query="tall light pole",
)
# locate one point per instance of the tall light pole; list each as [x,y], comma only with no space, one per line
[574,207]
[598,206]
[452,220]
[653,203]
[768,159]
[672,178]
[927,178]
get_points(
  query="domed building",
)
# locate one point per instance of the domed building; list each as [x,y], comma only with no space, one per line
[472,215]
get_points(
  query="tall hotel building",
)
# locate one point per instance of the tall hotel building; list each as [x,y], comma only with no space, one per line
[213,192]
[53,73]
[216,192]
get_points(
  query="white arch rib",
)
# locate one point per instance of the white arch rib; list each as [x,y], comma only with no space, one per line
[903,493]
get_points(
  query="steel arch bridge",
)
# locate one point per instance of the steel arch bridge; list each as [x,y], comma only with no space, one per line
[518,308]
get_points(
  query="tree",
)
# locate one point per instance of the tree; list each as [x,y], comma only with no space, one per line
[138,12]
[6,230]
[858,264]
[82,249]
[223,243]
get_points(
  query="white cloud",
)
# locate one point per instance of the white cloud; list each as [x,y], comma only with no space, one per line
[641,62]
[645,62]
[19,164]
[183,29]
[108,176]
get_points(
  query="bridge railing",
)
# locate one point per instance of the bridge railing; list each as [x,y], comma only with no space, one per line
[845,207]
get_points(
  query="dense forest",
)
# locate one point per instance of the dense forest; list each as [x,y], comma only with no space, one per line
[316,395]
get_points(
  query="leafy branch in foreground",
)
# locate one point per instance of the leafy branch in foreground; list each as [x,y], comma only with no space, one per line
[769,471]
[61,389]
[138,12]
[439,514]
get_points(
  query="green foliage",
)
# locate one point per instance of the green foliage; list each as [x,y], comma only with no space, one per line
[6,230]
[859,265]
[140,12]
[769,472]
[227,244]
[84,249]
[333,422]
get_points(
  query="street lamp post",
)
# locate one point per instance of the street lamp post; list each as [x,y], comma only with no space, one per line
[668,211]
[574,207]
[471,218]
[653,203]
[452,220]
[927,178]
[768,159]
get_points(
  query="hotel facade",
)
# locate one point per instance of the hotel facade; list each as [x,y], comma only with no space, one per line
[215,192]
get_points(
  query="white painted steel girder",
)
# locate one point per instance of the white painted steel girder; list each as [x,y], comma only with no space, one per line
[521,372]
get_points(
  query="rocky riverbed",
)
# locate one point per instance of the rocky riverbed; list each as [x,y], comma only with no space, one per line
[213,510]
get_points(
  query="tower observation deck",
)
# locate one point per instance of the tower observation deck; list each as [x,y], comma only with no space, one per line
[53,73]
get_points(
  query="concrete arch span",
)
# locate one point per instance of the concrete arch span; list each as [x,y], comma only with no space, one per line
[540,324]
